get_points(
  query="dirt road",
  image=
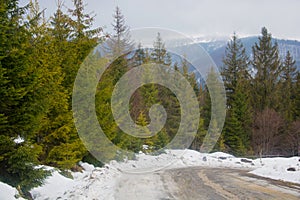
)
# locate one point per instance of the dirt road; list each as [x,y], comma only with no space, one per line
[203,183]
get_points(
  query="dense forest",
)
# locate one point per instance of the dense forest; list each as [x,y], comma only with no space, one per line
[39,60]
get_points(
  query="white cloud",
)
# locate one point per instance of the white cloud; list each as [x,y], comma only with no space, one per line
[202,17]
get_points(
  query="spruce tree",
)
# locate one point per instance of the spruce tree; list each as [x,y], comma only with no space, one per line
[297,96]
[119,42]
[235,74]
[236,63]
[140,56]
[105,116]
[159,53]
[73,39]
[82,23]
[142,122]
[238,121]
[117,45]
[20,102]
[266,63]
[287,81]
[213,118]
[137,102]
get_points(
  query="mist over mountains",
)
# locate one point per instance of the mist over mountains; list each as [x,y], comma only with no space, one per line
[216,48]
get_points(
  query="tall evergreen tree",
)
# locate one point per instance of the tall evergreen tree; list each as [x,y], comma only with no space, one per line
[82,22]
[236,63]
[159,54]
[213,118]
[266,62]
[297,96]
[238,121]
[287,83]
[20,109]
[119,42]
[73,39]
[137,103]
[236,80]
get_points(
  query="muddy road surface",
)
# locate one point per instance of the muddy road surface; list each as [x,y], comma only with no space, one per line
[196,183]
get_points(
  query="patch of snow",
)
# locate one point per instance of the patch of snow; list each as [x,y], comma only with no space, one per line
[92,183]
[87,167]
[276,168]
[210,38]
[54,186]
[8,193]
[19,140]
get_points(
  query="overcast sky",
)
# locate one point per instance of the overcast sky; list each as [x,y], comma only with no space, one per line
[199,17]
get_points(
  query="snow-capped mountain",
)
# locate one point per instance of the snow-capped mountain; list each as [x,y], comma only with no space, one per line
[216,48]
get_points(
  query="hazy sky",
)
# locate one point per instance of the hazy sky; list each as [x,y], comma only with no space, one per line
[199,17]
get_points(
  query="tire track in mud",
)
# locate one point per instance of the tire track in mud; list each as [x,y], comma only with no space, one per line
[209,183]
[196,183]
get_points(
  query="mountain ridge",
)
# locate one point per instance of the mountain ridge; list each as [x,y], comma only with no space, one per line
[216,48]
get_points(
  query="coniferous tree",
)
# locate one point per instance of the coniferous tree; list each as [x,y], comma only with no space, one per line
[235,67]
[140,56]
[137,103]
[142,122]
[213,118]
[237,130]
[266,62]
[287,82]
[159,54]
[236,80]
[190,76]
[46,60]
[119,43]
[20,109]
[82,22]
[73,40]
[297,96]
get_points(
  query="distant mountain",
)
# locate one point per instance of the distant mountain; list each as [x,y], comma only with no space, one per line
[216,48]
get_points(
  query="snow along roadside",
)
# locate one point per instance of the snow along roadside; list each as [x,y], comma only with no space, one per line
[101,183]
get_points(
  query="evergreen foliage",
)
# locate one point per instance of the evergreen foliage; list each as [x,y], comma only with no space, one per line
[268,68]
[287,86]
[39,60]
[236,77]
[119,42]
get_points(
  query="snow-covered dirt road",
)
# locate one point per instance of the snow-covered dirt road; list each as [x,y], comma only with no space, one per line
[196,183]
[176,174]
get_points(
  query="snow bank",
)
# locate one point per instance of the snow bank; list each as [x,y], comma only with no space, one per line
[277,168]
[55,185]
[101,183]
[92,183]
[180,158]
[8,193]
